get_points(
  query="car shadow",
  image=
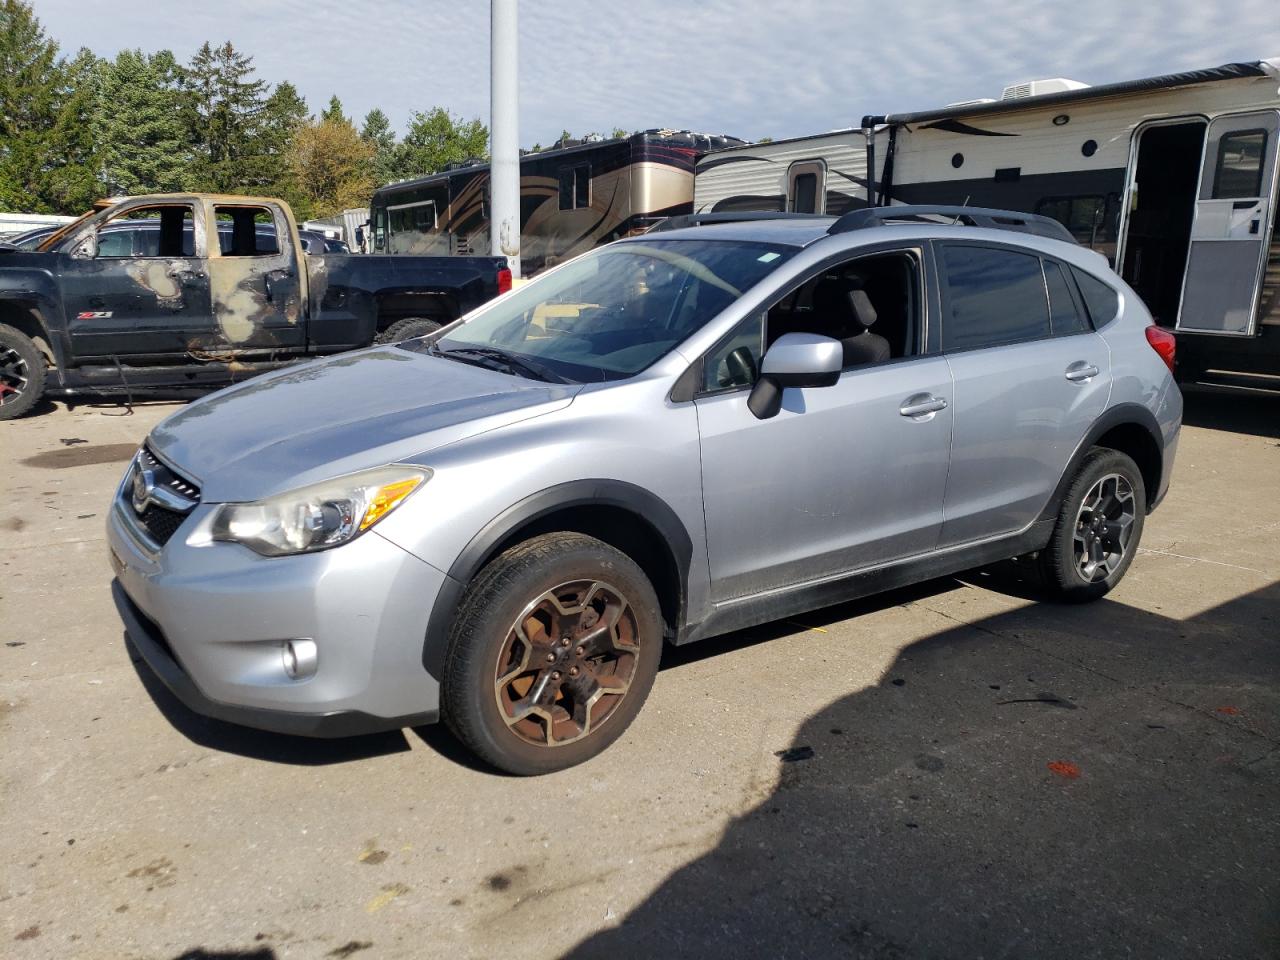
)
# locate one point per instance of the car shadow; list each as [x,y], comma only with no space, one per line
[1052,781]
[259,744]
[1236,410]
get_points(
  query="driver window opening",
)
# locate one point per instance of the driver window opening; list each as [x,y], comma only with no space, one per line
[871,305]
[161,231]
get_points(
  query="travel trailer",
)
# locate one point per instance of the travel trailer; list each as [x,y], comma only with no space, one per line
[1172,178]
[572,198]
[826,173]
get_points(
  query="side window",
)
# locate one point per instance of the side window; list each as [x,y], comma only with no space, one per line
[1101,301]
[871,305]
[1238,173]
[246,231]
[994,297]
[1092,220]
[575,187]
[736,361]
[159,231]
[1064,317]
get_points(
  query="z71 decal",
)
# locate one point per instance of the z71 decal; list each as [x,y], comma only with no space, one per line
[95,315]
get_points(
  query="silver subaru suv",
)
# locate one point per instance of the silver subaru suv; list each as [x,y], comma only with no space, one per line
[678,435]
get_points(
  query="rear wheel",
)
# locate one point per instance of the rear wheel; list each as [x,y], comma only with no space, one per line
[22,370]
[1098,529]
[407,329]
[554,648]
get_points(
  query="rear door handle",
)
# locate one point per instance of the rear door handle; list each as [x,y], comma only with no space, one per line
[1080,371]
[922,405]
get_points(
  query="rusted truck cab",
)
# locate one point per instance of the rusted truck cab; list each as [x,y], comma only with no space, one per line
[179,292]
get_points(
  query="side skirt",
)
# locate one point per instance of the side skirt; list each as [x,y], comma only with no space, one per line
[777,604]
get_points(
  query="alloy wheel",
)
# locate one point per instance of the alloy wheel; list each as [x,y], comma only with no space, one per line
[1104,525]
[567,663]
[14,375]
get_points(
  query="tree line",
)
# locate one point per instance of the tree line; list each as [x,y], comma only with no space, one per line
[73,129]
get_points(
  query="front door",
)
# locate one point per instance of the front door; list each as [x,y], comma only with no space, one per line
[1231,232]
[844,477]
[143,300]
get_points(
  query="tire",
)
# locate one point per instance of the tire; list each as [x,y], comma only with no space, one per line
[22,373]
[1101,516]
[493,674]
[407,329]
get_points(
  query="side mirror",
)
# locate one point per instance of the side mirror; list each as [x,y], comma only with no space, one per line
[794,360]
[87,248]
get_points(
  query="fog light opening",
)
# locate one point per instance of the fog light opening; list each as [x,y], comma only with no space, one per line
[299,657]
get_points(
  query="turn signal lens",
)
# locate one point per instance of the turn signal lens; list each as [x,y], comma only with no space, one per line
[504,280]
[1164,343]
[386,498]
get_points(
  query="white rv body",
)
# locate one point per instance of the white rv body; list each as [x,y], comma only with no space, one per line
[773,176]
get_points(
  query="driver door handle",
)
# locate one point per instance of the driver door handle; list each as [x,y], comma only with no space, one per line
[1080,371]
[922,405]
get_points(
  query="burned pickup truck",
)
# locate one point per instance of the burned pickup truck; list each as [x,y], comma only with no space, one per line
[184,293]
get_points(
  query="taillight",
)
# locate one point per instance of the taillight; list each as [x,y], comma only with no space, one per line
[504,280]
[1164,343]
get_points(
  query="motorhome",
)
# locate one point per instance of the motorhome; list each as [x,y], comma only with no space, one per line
[1172,178]
[826,173]
[572,198]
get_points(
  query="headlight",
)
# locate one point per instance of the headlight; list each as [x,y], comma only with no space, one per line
[313,518]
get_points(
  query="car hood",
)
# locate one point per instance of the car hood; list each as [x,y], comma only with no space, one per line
[335,416]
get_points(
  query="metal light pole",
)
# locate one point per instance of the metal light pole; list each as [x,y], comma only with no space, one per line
[504,143]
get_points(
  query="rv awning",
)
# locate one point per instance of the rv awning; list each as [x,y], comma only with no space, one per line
[1228,71]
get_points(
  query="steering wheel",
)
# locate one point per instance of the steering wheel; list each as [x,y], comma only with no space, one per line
[741,366]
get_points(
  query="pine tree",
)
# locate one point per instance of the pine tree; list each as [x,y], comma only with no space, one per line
[334,112]
[144,146]
[437,138]
[377,133]
[225,104]
[46,157]
[283,114]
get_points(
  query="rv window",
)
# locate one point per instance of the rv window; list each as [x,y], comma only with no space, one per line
[994,297]
[1091,219]
[575,187]
[1102,301]
[1239,169]
[1064,316]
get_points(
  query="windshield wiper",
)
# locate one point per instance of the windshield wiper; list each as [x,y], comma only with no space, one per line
[497,359]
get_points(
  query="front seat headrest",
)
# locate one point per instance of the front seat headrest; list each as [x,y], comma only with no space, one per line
[860,305]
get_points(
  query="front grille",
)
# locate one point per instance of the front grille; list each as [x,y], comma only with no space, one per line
[160,507]
[160,523]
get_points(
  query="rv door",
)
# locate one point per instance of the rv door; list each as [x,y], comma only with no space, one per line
[1232,227]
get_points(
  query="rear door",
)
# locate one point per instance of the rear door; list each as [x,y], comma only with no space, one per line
[1232,227]
[255,280]
[1031,376]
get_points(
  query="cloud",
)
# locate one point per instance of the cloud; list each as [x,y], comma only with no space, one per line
[747,69]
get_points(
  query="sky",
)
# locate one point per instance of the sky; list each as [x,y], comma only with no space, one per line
[749,68]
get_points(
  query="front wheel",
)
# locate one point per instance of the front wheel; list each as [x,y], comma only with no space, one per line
[553,651]
[1098,528]
[22,372]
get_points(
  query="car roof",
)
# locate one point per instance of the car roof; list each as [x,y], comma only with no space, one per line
[794,232]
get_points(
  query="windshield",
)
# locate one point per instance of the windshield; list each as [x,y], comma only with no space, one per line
[609,314]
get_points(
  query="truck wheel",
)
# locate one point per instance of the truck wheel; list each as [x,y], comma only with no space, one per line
[553,650]
[1098,529]
[407,329]
[22,370]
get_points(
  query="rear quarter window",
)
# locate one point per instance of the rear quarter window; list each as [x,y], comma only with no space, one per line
[1101,300]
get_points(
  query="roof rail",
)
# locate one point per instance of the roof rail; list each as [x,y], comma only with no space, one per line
[966,216]
[724,216]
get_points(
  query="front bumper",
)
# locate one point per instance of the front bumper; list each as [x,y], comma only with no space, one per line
[212,621]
